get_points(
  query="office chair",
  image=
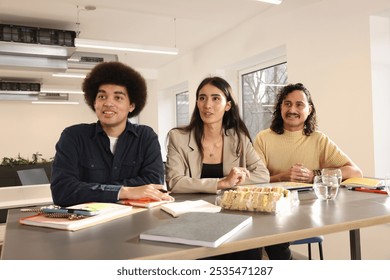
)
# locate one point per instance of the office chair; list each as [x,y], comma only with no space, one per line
[309,241]
[35,176]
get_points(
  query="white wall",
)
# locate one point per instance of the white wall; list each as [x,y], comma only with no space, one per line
[148,114]
[380,63]
[29,128]
[167,113]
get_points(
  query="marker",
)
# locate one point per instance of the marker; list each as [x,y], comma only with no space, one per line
[376,190]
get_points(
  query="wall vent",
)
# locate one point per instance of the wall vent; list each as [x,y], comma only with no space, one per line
[20,87]
[53,96]
[36,35]
[87,60]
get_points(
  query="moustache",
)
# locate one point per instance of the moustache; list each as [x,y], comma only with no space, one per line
[292,114]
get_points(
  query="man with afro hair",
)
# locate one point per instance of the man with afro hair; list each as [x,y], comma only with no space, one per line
[111,159]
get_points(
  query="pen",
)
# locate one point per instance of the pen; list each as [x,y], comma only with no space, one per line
[368,190]
[163,191]
[60,212]
[83,212]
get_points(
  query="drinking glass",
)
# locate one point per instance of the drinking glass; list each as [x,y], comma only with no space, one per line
[326,187]
[333,172]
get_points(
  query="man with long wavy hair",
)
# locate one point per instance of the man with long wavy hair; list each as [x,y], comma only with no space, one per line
[292,148]
[294,151]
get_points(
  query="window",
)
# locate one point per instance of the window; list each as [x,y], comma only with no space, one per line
[259,90]
[182,109]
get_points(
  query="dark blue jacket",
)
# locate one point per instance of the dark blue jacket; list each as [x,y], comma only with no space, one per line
[85,170]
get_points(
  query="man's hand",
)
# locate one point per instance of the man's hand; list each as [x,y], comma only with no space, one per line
[150,191]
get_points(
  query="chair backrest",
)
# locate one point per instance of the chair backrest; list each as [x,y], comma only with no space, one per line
[35,176]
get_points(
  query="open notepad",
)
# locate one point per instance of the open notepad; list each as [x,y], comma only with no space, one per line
[199,228]
[178,208]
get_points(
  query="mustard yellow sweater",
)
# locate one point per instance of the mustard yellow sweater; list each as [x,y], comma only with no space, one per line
[280,152]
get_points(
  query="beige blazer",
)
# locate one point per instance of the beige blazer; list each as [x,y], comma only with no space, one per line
[184,163]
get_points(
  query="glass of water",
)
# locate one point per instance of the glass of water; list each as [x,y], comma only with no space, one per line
[333,172]
[326,187]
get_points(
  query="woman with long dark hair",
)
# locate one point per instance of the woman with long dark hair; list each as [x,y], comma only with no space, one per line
[214,151]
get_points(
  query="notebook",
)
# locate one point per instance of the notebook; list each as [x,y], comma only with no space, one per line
[199,229]
[362,182]
[178,208]
[107,212]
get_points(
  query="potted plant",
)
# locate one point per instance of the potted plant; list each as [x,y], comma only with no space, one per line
[9,166]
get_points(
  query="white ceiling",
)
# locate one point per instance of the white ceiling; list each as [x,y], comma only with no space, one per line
[149,22]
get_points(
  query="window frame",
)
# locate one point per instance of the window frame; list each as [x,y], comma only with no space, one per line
[176,107]
[257,67]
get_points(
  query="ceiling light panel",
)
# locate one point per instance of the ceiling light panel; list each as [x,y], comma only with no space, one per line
[276,2]
[119,46]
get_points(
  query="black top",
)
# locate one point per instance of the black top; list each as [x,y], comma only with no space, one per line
[85,170]
[212,170]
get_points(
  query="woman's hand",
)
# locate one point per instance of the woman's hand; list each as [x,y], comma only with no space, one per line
[152,191]
[236,177]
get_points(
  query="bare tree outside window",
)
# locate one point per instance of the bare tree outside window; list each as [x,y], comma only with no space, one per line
[259,90]
[182,109]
